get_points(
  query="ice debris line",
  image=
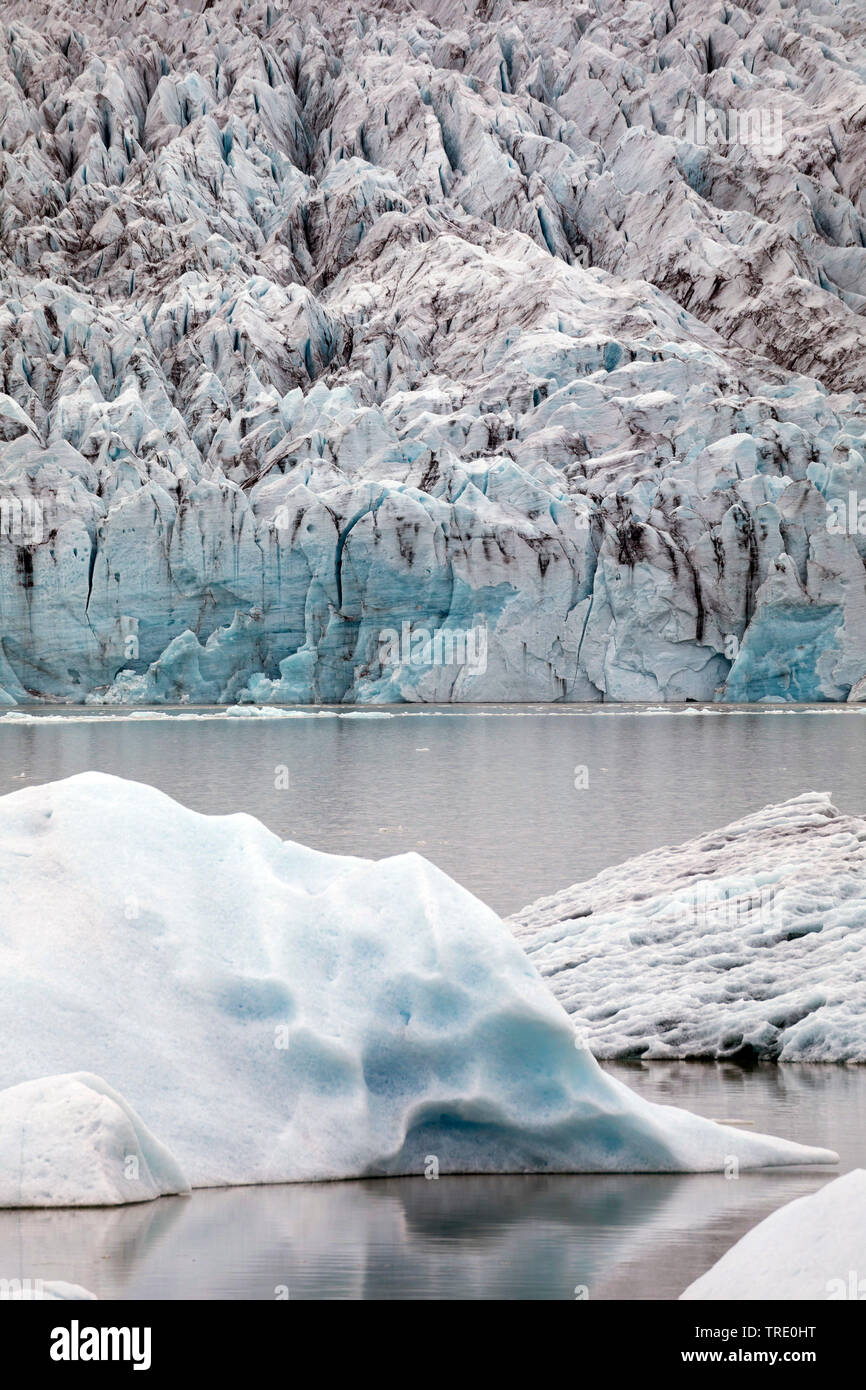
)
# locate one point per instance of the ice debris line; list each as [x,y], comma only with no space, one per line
[276,1014]
[746,943]
[541,321]
[812,1248]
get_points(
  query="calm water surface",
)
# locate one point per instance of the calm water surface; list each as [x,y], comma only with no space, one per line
[490,796]
[628,1237]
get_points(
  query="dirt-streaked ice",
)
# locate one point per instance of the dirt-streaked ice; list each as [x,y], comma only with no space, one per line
[538,320]
[748,942]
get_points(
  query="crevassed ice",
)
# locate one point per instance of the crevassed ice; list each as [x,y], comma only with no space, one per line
[494,320]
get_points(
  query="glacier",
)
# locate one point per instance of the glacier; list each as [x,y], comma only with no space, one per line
[746,943]
[472,316]
[277,1014]
[811,1248]
[73,1141]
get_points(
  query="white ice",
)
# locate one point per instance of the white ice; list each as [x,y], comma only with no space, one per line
[73,1141]
[274,1013]
[812,1248]
[747,942]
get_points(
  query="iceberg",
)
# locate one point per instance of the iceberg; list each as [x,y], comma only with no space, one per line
[73,1141]
[277,1014]
[485,318]
[812,1248]
[746,943]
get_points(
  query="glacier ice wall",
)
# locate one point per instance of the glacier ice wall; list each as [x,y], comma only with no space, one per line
[541,322]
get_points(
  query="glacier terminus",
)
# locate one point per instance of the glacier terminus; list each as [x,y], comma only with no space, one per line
[536,322]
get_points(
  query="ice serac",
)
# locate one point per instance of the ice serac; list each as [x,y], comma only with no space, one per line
[812,1248]
[541,321]
[72,1141]
[278,1014]
[748,943]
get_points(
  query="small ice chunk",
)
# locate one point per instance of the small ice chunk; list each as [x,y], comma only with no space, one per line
[72,1141]
[812,1248]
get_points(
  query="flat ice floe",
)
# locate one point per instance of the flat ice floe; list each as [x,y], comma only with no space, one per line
[811,1248]
[73,1141]
[747,942]
[277,1014]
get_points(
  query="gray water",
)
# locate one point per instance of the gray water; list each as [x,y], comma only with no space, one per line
[490,796]
[622,1237]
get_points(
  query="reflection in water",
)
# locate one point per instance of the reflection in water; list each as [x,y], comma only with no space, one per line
[459,1238]
[491,799]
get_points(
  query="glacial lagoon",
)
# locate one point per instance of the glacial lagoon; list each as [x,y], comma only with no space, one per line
[488,793]
[513,802]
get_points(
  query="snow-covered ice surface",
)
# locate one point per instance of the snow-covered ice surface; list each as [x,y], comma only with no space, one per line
[274,1013]
[73,1141]
[812,1248]
[542,322]
[748,942]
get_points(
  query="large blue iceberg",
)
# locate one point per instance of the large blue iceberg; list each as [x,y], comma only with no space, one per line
[276,1014]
